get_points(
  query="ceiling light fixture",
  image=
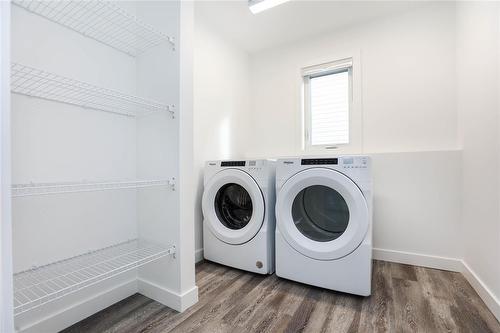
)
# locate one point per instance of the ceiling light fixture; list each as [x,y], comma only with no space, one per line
[257,6]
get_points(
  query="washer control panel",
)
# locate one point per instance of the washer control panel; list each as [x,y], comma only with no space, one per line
[249,165]
[232,163]
[354,162]
[261,170]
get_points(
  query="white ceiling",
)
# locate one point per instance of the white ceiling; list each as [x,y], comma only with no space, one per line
[291,21]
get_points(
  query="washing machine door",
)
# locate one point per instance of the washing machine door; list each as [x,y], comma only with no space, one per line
[233,206]
[322,213]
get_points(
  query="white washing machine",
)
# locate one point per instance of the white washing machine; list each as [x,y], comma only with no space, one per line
[238,211]
[324,222]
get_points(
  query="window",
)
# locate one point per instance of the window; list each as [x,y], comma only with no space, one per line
[327,104]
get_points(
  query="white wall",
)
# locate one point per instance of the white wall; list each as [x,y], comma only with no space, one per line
[478,68]
[417,207]
[158,209]
[6,292]
[186,156]
[221,106]
[408,83]
[400,56]
[408,125]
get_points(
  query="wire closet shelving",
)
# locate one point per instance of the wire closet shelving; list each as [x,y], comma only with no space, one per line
[108,24]
[102,21]
[38,286]
[34,82]
[31,189]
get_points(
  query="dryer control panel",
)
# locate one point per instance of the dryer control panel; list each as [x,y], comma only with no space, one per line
[319,161]
[356,167]
[354,162]
[347,162]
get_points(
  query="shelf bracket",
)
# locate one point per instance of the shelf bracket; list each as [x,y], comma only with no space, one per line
[171,251]
[171,183]
[171,109]
[171,40]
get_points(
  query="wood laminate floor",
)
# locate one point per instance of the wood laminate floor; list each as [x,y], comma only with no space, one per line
[404,299]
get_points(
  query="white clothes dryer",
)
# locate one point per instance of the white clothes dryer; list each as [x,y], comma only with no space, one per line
[238,214]
[324,222]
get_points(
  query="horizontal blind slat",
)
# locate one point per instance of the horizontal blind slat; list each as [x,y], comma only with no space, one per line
[330,109]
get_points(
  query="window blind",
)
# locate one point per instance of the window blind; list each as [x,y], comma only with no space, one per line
[329,108]
[329,67]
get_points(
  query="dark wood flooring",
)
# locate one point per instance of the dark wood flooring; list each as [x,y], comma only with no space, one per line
[404,299]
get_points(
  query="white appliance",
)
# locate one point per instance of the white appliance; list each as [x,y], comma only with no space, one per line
[324,222]
[238,209]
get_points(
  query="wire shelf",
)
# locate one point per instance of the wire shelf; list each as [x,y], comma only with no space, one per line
[30,189]
[41,285]
[33,82]
[102,21]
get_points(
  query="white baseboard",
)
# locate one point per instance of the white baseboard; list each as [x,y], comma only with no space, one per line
[444,263]
[189,298]
[198,255]
[178,302]
[417,259]
[87,307]
[491,301]
[61,314]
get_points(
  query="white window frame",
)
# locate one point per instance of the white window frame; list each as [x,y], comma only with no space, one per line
[351,64]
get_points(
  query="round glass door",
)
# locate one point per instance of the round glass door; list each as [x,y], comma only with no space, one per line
[233,206]
[320,213]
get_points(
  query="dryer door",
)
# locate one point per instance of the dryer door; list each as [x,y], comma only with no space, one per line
[322,213]
[233,206]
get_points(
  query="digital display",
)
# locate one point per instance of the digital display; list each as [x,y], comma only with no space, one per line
[319,161]
[232,163]
[347,160]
